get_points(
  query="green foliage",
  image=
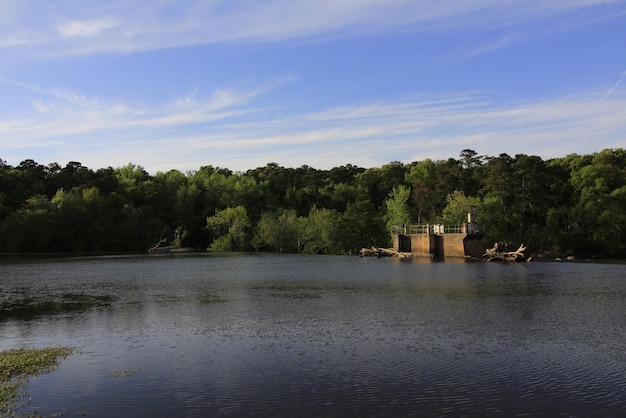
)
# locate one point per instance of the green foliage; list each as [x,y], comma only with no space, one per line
[492,221]
[362,225]
[230,227]
[422,176]
[572,204]
[31,228]
[321,231]
[278,232]
[378,182]
[397,204]
[600,210]
[180,236]
[459,205]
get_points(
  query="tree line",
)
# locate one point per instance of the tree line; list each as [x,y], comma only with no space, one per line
[571,205]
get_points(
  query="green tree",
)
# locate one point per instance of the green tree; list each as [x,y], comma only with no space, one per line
[421,177]
[230,228]
[321,230]
[163,196]
[30,180]
[459,205]
[378,182]
[470,162]
[255,197]
[497,176]
[305,191]
[277,232]
[33,228]
[337,195]
[533,197]
[74,174]
[134,180]
[601,208]
[448,178]
[277,180]
[397,204]
[362,225]
[491,222]
[218,185]
[188,211]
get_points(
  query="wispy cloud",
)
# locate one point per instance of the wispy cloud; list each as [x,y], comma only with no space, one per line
[125,26]
[193,130]
[58,113]
[86,28]
[615,86]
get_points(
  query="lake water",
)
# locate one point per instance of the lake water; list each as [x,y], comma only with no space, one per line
[289,335]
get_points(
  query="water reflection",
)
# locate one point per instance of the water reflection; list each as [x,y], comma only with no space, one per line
[293,335]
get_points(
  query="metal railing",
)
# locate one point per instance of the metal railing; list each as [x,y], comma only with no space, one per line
[434,229]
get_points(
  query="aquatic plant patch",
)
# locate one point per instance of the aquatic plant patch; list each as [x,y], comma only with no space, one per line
[17,365]
[28,308]
[124,373]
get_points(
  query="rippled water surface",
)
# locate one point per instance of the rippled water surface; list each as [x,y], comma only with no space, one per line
[205,335]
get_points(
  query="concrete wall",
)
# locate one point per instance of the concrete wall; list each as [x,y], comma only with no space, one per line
[439,245]
[422,245]
[397,242]
[453,245]
[474,246]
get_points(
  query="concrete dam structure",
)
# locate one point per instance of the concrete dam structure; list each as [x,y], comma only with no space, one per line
[438,240]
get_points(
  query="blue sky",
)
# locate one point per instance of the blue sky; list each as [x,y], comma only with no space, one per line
[241,83]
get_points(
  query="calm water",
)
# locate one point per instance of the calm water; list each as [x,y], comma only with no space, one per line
[205,335]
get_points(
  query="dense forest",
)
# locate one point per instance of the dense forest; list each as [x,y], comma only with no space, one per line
[570,205]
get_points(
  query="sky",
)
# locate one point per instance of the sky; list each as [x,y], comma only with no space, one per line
[238,84]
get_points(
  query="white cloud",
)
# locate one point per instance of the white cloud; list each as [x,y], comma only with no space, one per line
[195,130]
[16,39]
[87,28]
[127,26]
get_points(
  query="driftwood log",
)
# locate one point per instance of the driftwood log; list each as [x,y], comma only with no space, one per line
[162,241]
[383,252]
[162,247]
[499,253]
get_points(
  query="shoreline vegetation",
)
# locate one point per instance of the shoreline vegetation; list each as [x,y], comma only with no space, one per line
[18,365]
[569,206]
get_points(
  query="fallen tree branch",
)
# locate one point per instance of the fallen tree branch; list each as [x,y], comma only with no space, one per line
[383,252]
[498,253]
[162,241]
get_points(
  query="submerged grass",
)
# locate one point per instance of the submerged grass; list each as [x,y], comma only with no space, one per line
[17,365]
[124,373]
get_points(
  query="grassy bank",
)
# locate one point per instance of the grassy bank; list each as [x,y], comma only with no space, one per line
[17,365]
